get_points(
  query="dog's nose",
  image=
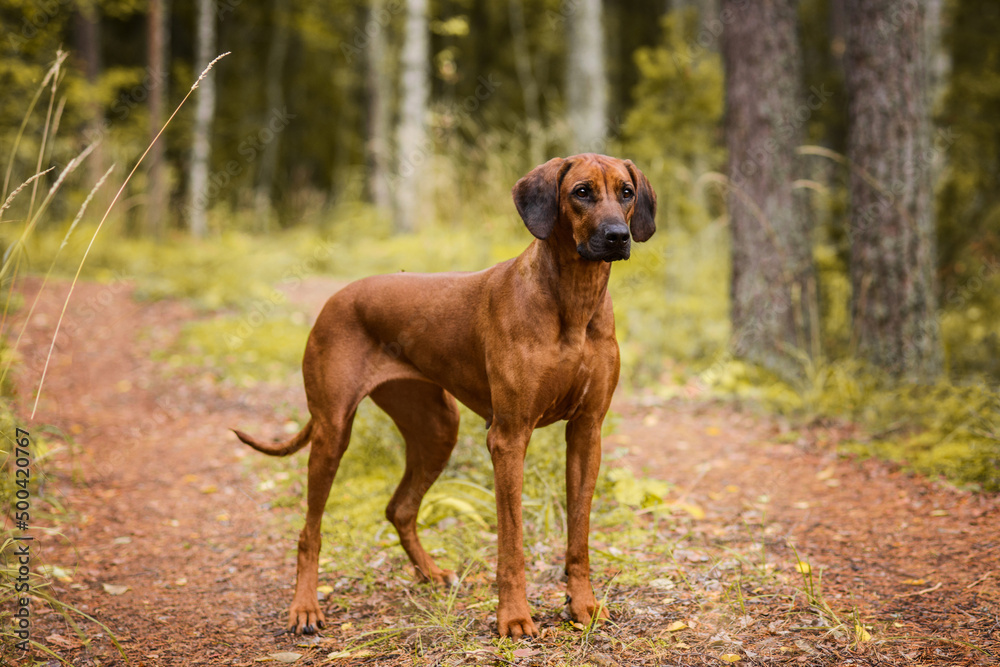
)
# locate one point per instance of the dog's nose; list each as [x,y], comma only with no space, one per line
[616,234]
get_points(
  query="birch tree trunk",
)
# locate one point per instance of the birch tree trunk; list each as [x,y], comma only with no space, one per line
[894,302]
[586,85]
[378,149]
[156,195]
[204,111]
[773,286]
[412,142]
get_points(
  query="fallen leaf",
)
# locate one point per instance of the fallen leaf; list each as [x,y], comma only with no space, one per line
[730,657]
[210,488]
[803,567]
[56,572]
[113,589]
[285,656]
[914,582]
[693,510]
[340,655]
[59,640]
[939,513]
[677,626]
[862,633]
[713,430]
[525,652]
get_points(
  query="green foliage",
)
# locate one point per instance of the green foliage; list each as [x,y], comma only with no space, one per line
[220,346]
[673,132]
[968,204]
[945,429]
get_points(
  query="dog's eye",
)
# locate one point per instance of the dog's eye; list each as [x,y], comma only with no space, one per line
[581,192]
[627,193]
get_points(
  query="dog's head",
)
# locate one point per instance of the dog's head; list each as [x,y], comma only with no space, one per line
[596,199]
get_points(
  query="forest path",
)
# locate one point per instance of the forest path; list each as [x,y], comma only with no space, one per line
[159,502]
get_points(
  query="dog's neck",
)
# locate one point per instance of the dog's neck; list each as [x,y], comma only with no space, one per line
[576,285]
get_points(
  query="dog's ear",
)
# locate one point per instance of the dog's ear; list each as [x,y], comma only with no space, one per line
[644,214]
[536,196]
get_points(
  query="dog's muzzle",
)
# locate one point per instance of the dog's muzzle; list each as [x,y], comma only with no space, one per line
[609,243]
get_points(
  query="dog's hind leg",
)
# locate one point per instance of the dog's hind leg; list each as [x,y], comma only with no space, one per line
[329,441]
[427,417]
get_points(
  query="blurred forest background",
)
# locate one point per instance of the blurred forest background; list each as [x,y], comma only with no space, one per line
[828,174]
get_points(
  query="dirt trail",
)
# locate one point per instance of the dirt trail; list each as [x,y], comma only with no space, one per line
[161,506]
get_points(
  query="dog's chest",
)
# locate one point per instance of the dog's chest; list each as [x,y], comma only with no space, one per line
[580,376]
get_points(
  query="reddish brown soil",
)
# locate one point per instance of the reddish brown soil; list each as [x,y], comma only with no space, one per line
[155,500]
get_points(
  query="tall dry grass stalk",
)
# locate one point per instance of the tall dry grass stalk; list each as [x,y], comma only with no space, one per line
[100,225]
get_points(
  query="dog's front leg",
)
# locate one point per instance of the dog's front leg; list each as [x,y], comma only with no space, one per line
[507,447]
[583,460]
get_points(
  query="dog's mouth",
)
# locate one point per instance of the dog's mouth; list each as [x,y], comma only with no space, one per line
[604,254]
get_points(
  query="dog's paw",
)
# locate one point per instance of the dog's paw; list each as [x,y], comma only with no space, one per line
[445,578]
[515,622]
[305,619]
[448,579]
[583,608]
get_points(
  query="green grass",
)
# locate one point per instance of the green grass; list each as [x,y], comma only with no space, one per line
[947,429]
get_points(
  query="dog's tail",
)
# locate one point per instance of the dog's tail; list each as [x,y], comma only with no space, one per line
[298,441]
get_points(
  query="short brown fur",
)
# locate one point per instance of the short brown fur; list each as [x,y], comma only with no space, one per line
[525,343]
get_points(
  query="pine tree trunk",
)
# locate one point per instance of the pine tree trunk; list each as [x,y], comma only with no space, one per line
[379,108]
[156,194]
[413,144]
[773,286]
[891,223]
[586,84]
[204,111]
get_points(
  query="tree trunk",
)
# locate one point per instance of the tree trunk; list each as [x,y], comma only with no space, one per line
[87,33]
[204,111]
[413,143]
[529,85]
[275,104]
[379,108]
[586,85]
[156,25]
[773,286]
[891,227]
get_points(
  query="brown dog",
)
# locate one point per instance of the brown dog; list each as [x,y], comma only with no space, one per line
[526,343]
